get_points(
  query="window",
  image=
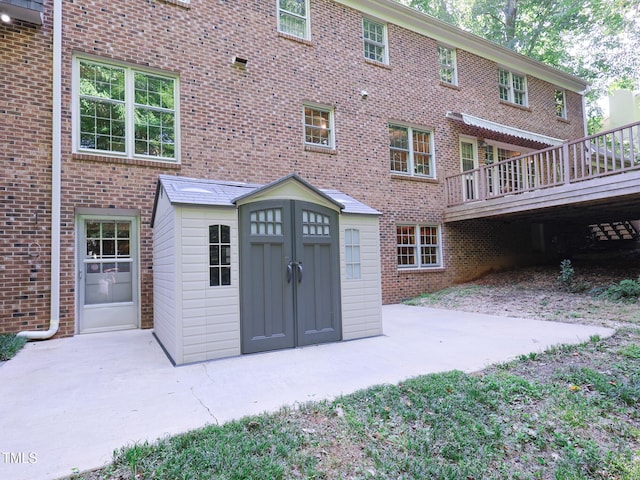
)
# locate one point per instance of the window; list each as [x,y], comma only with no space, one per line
[126,112]
[507,177]
[513,87]
[561,106]
[293,18]
[352,253]
[375,40]
[411,151]
[219,255]
[418,246]
[448,72]
[318,127]
[469,163]
[267,222]
[315,224]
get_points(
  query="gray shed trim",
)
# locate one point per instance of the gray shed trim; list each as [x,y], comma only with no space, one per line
[194,191]
[291,176]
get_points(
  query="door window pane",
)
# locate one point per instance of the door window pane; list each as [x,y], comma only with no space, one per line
[266,222]
[108,280]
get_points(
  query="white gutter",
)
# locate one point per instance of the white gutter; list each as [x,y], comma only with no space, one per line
[56,172]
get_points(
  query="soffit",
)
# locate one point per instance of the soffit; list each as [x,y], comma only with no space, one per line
[428,26]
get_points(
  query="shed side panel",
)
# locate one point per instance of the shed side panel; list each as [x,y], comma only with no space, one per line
[164,278]
[362,297]
[211,313]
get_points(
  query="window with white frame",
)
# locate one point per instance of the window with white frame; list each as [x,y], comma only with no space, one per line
[448,69]
[293,18]
[318,126]
[411,151]
[219,255]
[561,104]
[125,111]
[418,246]
[375,40]
[513,87]
[352,253]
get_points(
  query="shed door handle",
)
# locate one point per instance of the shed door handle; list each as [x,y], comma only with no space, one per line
[299,267]
[289,272]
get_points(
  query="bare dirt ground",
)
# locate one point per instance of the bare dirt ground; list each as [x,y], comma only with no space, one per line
[535,292]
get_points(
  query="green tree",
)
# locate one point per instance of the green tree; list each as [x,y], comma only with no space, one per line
[598,40]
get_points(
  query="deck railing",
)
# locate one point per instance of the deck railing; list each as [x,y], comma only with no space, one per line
[607,153]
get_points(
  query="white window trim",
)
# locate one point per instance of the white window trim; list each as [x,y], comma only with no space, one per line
[417,246]
[307,21]
[385,40]
[511,89]
[332,126]
[453,66]
[411,165]
[129,109]
[564,103]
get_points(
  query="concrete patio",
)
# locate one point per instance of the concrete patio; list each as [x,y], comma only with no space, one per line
[68,403]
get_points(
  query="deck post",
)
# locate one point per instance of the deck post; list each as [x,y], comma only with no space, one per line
[565,163]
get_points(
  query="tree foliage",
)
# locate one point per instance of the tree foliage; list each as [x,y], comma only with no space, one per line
[598,40]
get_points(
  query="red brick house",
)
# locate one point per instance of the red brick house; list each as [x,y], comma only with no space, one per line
[368,98]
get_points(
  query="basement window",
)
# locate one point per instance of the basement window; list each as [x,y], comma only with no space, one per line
[418,246]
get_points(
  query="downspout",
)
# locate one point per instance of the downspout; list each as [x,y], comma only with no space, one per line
[56,172]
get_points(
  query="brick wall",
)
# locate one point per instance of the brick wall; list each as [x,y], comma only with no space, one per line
[247,125]
[25,176]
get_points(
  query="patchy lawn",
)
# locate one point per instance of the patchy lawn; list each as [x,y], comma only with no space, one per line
[537,293]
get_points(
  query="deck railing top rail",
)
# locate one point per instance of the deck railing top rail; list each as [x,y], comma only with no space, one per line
[607,153]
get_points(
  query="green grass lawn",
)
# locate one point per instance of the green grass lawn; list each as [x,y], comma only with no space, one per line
[569,413]
[10,344]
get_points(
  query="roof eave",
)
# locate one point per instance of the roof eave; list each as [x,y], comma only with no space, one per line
[423,24]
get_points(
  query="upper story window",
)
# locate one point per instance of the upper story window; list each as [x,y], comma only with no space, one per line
[125,112]
[293,18]
[418,246]
[352,253]
[411,151]
[219,255]
[561,104]
[513,87]
[318,126]
[448,70]
[375,40]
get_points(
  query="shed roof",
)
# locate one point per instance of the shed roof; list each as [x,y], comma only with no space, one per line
[221,193]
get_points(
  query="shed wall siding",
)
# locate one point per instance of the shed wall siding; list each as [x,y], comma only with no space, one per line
[165,314]
[362,299]
[211,315]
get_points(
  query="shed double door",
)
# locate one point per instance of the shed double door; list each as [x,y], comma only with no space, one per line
[290,282]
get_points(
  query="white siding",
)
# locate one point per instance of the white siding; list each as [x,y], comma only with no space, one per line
[362,299]
[165,314]
[211,315]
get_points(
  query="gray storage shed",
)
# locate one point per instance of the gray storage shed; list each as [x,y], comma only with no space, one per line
[243,268]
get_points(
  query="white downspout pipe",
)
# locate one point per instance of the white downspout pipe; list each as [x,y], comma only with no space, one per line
[56,172]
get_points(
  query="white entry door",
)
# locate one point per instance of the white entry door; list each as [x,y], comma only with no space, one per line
[107,273]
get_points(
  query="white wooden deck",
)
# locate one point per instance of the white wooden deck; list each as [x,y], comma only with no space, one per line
[597,173]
